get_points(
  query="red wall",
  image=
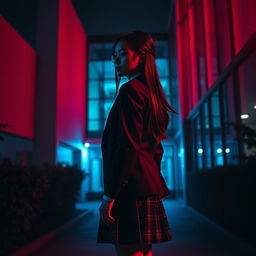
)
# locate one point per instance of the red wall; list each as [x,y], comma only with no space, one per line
[183,60]
[210,41]
[71,76]
[209,34]
[244,21]
[17,82]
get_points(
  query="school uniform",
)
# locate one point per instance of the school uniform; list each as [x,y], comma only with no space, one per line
[131,171]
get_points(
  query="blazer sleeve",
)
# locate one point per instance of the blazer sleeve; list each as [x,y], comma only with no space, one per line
[131,107]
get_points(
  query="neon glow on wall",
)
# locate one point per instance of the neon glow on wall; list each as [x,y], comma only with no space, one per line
[71,76]
[209,34]
[17,82]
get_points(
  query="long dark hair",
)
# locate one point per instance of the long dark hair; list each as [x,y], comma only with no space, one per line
[143,43]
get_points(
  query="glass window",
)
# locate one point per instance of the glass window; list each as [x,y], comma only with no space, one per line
[217,142]
[94,125]
[109,89]
[247,78]
[101,87]
[96,69]
[207,146]
[165,82]
[94,89]
[109,69]
[215,110]
[94,109]
[230,105]
[163,67]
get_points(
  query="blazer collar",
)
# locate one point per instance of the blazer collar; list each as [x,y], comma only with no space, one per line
[134,76]
[140,77]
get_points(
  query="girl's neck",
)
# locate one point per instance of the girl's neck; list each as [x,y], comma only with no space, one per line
[134,76]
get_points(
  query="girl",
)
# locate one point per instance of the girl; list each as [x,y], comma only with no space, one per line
[132,216]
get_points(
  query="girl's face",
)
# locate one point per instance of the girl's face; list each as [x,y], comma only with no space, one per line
[125,60]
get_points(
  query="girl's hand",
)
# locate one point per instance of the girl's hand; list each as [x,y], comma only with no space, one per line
[105,212]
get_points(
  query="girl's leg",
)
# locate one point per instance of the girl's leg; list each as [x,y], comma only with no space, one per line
[130,250]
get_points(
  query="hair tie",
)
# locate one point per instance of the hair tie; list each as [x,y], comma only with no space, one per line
[148,52]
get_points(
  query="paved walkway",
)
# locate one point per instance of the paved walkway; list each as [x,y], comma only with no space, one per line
[193,235]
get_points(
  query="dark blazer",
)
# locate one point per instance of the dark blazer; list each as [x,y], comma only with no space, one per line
[131,162]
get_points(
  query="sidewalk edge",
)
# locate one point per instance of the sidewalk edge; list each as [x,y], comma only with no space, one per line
[39,242]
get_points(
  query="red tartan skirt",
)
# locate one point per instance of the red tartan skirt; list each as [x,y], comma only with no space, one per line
[137,221]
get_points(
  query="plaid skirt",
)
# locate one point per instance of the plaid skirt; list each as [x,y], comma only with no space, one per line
[137,221]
